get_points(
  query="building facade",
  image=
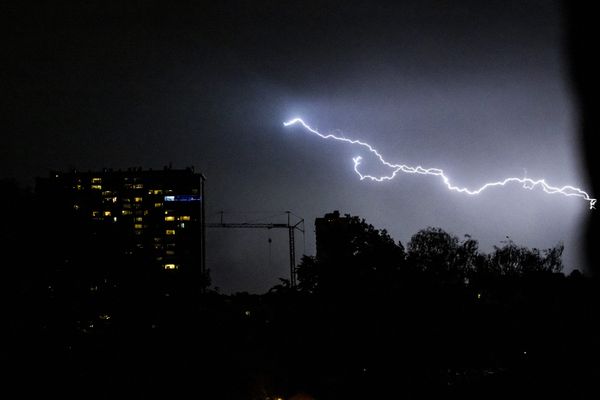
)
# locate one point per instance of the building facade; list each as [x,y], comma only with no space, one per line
[154,215]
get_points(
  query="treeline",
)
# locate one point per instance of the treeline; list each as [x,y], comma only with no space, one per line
[364,253]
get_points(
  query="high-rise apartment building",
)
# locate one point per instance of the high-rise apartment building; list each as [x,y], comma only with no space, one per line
[156,215]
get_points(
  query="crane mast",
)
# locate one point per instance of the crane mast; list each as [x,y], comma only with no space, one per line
[291,234]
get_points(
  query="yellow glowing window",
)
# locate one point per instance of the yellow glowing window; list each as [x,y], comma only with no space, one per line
[96,180]
[157,205]
[170,231]
[79,187]
[126,212]
[185,218]
[137,199]
[170,266]
[96,187]
[170,218]
[96,213]
[107,213]
[138,226]
[138,186]
[139,219]
[155,191]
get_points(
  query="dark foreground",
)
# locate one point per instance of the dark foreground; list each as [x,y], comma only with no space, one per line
[524,338]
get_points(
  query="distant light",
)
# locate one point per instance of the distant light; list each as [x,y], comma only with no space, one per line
[478,295]
[183,198]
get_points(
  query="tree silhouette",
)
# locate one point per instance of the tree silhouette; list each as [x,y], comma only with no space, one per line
[356,256]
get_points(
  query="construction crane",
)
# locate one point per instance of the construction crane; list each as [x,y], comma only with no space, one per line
[289,226]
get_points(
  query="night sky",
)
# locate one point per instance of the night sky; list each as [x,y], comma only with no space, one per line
[479,89]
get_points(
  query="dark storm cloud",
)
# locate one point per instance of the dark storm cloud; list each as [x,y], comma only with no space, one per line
[475,88]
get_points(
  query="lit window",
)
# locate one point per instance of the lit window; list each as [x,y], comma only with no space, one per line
[157,205]
[107,213]
[182,225]
[96,180]
[146,212]
[170,252]
[170,231]
[137,199]
[170,218]
[79,187]
[185,218]
[139,219]
[138,186]
[96,187]
[126,212]
[138,226]
[170,266]
[114,199]
[76,207]
[155,191]
[96,213]
[115,219]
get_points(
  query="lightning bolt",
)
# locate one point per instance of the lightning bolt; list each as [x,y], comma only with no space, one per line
[527,183]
